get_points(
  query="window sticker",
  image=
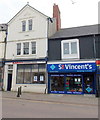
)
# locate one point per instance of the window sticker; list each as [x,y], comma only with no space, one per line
[35,78]
[41,78]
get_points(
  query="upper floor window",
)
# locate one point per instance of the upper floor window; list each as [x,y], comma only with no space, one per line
[25,48]
[70,48]
[33,45]
[23,25]
[18,48]
[30,24]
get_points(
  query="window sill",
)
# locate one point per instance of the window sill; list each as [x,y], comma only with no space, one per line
[26,31]
[27,55]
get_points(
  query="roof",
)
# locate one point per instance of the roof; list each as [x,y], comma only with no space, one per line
[27,5]
[3,27]
[76,31]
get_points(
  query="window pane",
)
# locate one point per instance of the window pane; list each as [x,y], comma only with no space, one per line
[33,47]
[73,47]
[57,83]
[26,48]
[27,74]
[18,48]
[20,74]
[23,25]
[30,24]
[66,48]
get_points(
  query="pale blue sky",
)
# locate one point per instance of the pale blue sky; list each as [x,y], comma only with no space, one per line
[82,12]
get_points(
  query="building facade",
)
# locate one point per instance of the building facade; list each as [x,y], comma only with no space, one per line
[3,33]
[72,61]
[27,49]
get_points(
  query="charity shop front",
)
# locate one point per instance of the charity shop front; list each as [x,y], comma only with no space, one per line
[72,77]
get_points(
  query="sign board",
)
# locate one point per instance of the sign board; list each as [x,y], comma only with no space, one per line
[72,67]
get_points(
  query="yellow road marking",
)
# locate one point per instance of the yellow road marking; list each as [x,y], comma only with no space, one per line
[50,102]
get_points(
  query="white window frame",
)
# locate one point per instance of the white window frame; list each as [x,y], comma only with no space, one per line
[30,25]
[24,25]
[34,47]
[26,48]
[70,56]
[18,49]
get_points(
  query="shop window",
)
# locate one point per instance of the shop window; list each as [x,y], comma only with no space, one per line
[73,84]
[70,48]
[31,74]
[57,83]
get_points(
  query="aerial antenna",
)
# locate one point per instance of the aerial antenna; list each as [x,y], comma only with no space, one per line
[27,3]
[73,2]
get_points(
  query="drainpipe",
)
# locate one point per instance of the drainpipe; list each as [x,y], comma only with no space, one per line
[97,76]
[48,20]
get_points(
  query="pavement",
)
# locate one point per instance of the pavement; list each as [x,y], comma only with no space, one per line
[58,98]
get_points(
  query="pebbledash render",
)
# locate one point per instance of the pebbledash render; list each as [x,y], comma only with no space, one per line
[27,50]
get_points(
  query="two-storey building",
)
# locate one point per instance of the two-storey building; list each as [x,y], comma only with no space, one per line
[3,33]
[74,60]
[27,50]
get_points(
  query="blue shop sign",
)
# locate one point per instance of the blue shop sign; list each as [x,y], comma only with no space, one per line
[72,67]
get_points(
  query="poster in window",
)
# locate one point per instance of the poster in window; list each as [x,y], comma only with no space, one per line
[79,79]
[35,78]
[75,79]
[41,78]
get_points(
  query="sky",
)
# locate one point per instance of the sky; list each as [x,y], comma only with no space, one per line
[73,12]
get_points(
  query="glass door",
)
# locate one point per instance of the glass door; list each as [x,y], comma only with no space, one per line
[89,84]
[73,84]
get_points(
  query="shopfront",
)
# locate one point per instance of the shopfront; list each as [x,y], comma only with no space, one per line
[72,78]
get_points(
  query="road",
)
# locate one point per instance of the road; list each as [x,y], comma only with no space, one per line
[20,108]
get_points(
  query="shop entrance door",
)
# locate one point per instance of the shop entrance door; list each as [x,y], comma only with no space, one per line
[9,82]
[89,84]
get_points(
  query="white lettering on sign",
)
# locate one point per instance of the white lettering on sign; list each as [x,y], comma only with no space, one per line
[75,67]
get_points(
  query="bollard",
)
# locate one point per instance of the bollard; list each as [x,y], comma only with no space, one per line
[18,92]
[45,91]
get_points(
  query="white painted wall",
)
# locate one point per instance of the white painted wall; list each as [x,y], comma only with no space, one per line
[39,25]
[41,46]
[38,34]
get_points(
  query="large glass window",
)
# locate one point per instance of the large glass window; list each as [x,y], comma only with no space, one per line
[70,48]
[25,48]
[33,73]
[57,83]
[73,83]
[18,48]
[23,25]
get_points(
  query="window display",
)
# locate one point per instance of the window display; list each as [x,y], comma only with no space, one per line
[74,83]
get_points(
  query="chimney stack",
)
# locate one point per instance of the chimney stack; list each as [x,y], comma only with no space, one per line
[56,14]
